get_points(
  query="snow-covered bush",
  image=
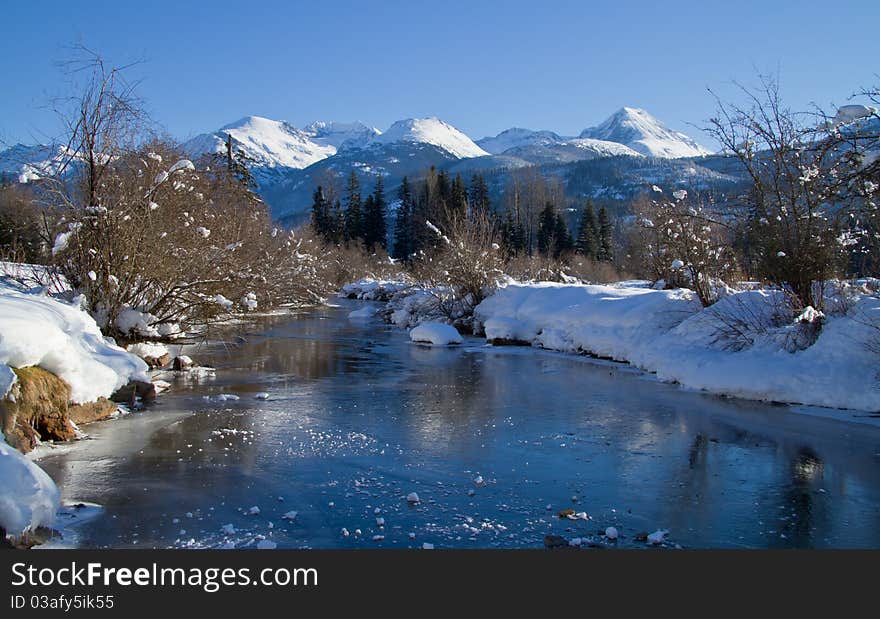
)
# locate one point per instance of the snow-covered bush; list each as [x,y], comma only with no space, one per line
[145,264]
[677,240]
[464,266]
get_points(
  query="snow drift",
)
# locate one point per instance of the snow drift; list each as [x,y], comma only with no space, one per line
[37,330]
[668,332]
[28,496]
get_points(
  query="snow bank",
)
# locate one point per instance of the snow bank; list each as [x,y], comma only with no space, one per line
[436,333]
[668,332]
[607,321]
[28,496]
[837,371]
[61,338]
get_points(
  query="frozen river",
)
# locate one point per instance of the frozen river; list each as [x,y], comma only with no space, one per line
[495,442]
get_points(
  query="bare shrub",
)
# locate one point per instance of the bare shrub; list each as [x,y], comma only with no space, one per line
[682,242]
[463,267]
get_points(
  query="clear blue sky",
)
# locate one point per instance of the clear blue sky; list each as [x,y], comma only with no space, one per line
[482,66]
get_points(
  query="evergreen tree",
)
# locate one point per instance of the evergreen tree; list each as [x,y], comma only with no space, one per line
[587,243]
[547,227]
[353,215]
[605,250]
[562,242]
[403,225]
[321,222]
[237,164]
[512,235]
[458,204]
[478,195]
[375,229]
[337,222]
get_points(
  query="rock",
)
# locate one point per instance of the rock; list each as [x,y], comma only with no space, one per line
[182,363]
[291,515]
[91,411]
[133,390]
[642,536]
[39,411]
[157,362]
[566,513]
[555,541]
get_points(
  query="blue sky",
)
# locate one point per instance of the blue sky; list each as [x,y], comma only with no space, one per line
[482,66]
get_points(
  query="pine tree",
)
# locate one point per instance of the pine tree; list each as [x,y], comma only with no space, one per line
[337,222]
[562,242]
[547,222]
[321,222]
[403,225]
[478,195]
[353,215]
[587,243]
[458,202]
[605,251]
[375,229]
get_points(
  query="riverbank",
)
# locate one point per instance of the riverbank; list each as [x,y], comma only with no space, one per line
[748,345]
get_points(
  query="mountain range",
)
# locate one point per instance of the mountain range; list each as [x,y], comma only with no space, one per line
[288,161]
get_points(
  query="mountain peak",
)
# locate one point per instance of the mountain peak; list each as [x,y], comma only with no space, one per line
[431,130]
[637,129]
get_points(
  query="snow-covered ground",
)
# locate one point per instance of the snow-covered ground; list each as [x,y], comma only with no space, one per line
[736,347]
[746,345]
[38,330]
[28,497]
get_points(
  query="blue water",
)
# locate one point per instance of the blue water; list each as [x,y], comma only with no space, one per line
[358,417]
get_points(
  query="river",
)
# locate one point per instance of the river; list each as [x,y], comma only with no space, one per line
[495,442]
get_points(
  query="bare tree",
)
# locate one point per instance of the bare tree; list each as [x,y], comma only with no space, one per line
[793,167]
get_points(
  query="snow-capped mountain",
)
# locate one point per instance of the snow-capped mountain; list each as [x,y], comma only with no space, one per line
[339,135]
[430,131]
[269,143]
[642,132]
[517,138]
[24,163]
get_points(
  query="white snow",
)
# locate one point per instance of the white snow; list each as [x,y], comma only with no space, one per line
[28,496]
[611,533]
[412,497]
[182,165]
[431,131]
[63,339]
[148,349]
[668,332]
[436,333]
[849,113]
[640,131]
[658,536]
[291,515]
[265,544]
[516,138]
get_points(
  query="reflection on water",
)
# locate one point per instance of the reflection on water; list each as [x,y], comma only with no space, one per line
[494,441]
